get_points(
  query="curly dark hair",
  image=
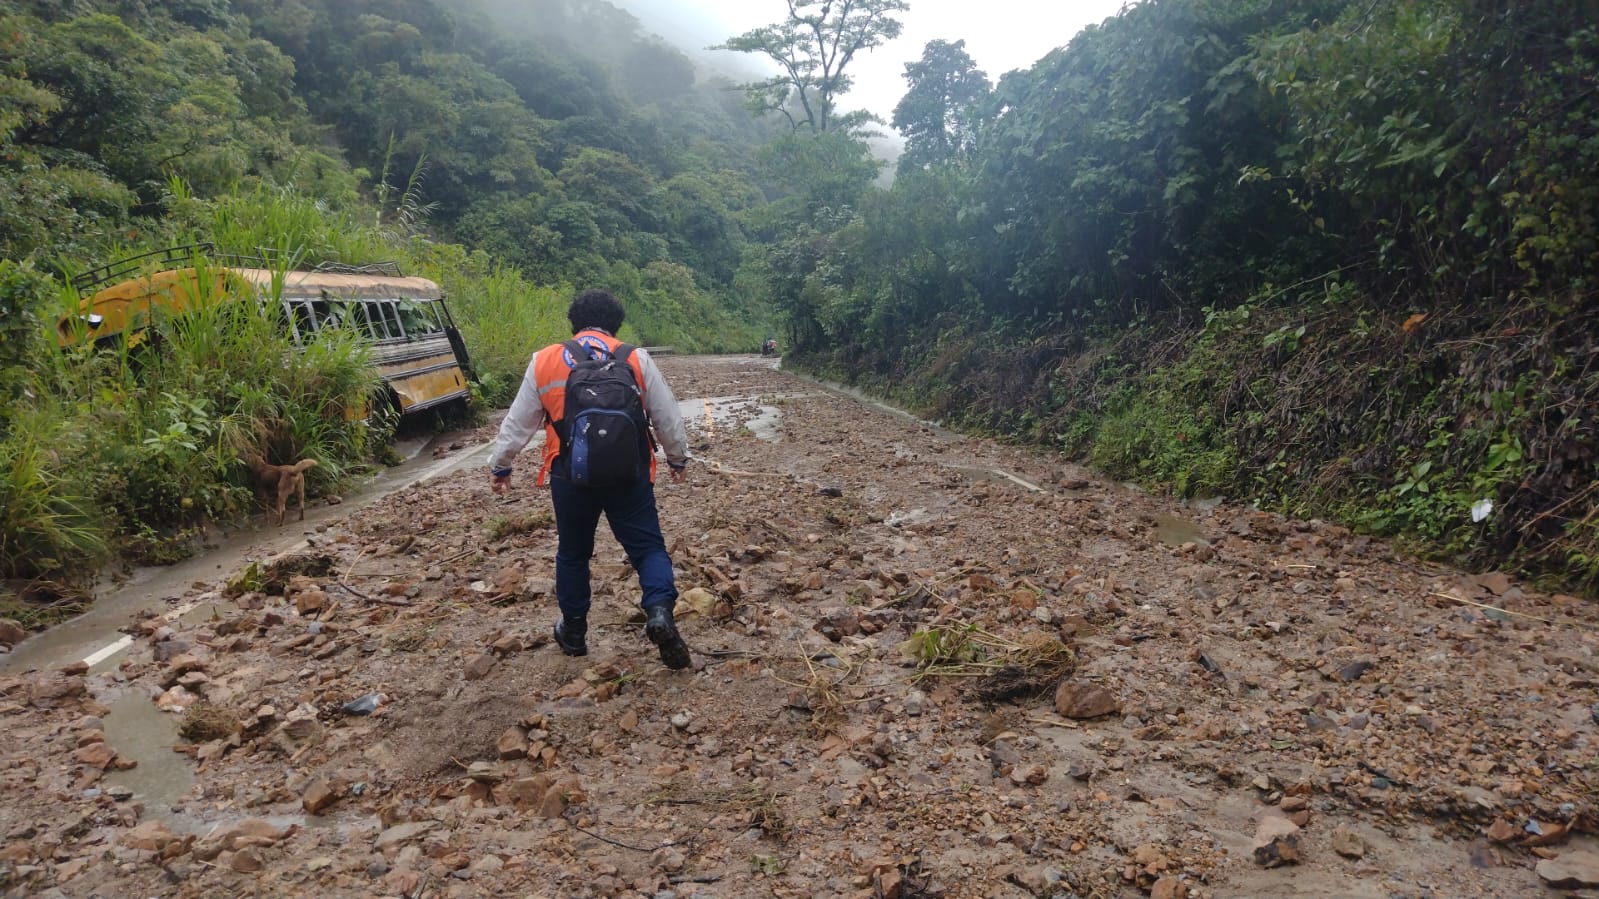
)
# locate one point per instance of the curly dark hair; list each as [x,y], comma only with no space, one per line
[596,309]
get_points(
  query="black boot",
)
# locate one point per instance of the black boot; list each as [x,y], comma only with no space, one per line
[662,631]
[570,633]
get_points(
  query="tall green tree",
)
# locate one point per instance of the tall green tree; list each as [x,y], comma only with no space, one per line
[941,111]
[814,47]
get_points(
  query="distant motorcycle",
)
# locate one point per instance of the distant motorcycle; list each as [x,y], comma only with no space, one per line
[769,347]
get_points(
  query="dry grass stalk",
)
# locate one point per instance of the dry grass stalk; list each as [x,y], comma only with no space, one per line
[759,804]
[514,525]
[204,722]
[969,651]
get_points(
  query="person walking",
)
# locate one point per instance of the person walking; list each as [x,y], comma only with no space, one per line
[614,395]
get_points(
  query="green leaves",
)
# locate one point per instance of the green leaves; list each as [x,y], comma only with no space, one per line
[1415,478]
[943,108]
[813,48]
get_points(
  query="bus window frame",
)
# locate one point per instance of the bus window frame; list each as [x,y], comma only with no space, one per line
[369,327]
[301,317]
[391,316]
[380,319]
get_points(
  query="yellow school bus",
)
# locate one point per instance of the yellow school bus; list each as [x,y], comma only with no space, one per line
[413,340]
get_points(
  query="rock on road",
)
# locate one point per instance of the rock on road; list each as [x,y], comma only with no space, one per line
[925,665]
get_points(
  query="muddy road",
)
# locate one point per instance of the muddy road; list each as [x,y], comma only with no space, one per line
[925,665]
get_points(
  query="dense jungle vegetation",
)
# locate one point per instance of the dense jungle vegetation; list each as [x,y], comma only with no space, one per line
[1336,258]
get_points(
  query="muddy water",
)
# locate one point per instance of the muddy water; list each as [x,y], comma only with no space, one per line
[731,413]
[1174,531]
[92,635]
[139,730]
[164,780]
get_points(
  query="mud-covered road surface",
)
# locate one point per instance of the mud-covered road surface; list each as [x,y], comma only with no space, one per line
[924,665]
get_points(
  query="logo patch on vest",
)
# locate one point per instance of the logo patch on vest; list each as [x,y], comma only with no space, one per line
[595,345]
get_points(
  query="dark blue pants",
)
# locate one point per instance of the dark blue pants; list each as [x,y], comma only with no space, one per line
[637,526]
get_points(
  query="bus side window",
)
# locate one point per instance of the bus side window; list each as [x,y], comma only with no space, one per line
[419,318]
[340,314]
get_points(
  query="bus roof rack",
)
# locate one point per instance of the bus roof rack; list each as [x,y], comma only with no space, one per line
[371,268]
[170,257]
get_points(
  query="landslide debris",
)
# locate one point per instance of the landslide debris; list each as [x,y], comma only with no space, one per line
[914,675]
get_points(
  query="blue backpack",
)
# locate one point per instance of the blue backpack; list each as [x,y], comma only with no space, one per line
[604,431]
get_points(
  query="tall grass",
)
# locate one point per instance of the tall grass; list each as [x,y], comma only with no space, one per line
[49,518]
[504,320]
[130,443]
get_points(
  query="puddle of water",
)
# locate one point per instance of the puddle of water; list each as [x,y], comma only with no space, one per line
[733,412]
[1174,531]
[137,729]
[765,425]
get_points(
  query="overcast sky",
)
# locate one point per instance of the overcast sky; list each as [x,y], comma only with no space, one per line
[1000,34]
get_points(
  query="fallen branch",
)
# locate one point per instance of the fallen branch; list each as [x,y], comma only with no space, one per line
[732,654]
[619,844]
[353,562]
[374,599]
[1451,596]
[1577,497]
[460,555]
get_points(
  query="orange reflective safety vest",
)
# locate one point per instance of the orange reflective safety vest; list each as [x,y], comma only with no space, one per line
[550,369]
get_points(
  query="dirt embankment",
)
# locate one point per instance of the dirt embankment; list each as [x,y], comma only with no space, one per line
[924,666]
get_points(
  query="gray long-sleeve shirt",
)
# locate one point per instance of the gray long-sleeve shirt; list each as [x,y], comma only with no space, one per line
[528,417]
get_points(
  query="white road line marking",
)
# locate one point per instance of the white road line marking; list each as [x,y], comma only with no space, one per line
[1010,477]
[107,651]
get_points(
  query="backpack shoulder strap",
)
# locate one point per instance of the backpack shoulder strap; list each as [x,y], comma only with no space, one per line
[624,354]
[579,351]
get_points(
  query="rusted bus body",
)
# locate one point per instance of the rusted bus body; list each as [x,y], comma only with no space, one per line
[126,309]
[413,341]
[422,374]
